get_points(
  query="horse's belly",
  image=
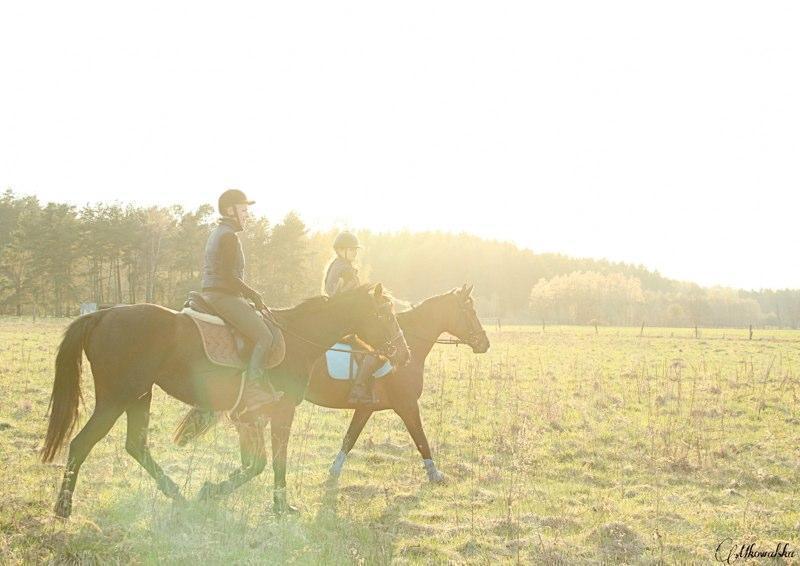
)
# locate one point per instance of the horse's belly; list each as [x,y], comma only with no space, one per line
[189,376]
[217,389]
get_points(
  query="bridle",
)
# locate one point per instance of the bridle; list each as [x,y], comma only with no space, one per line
[476,331]
[389,348]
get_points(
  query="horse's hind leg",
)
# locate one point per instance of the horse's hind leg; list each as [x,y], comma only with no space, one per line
[136,444]
[280,427]
[254,460]
[409,412]
[357,423]
[98,425]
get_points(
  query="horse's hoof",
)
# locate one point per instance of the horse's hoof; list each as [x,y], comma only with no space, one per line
[437,477]
[173,492]
[286,511]
[63,508]
[281,507]
[206,492]
[434,475]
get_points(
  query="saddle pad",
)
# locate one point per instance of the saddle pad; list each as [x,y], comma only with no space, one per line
[339,364]
[223,347]
[218,343]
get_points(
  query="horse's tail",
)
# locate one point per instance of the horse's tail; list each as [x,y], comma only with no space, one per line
[67,385]
[195,424]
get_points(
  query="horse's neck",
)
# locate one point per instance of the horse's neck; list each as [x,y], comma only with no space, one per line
[318,331]
[421,327]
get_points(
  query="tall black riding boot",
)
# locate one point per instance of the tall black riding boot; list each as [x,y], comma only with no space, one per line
[258,391]
[361,390]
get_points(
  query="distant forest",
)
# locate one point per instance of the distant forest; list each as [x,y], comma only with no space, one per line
[53,257]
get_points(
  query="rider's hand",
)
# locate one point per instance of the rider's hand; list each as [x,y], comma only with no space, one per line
[259,301]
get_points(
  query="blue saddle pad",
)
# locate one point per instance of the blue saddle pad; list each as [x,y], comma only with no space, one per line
[339,364]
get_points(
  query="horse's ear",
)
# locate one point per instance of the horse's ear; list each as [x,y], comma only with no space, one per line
[378,290]
[463,288]
[468,292]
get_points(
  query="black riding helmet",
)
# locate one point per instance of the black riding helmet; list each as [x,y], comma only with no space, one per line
[346,240]
[232,197]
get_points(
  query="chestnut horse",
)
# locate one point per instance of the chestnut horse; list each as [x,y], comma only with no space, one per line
[131,348]
[452,312]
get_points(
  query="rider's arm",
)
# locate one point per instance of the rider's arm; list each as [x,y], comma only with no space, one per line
[251,293]
[229,250]
[348,279]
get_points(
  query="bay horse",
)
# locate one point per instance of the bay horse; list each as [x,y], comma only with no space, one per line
[131,348]
[452,312]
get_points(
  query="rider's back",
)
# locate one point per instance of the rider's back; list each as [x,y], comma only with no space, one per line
[224,259]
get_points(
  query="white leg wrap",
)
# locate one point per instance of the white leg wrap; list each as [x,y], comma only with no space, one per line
[338,463]
[434,475]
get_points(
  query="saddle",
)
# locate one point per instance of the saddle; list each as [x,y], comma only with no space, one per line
[344,365]
[222,343]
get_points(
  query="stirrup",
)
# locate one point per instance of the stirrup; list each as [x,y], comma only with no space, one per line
[239,411]
[245,414]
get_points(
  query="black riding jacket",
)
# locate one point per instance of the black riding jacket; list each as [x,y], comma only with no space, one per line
[224,262]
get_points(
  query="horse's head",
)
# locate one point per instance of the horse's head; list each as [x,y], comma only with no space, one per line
[377,325]
[462,320]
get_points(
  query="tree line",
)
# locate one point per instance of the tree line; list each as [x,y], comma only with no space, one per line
[55,256]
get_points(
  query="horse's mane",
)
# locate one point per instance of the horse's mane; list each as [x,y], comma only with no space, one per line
[316,302]
[309,304]
[414,306]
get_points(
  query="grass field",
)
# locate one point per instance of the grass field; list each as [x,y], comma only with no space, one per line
[562,445]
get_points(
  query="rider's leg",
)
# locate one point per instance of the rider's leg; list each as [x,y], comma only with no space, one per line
[258,392]
[361,390]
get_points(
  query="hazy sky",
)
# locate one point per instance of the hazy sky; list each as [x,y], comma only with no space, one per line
[659,133]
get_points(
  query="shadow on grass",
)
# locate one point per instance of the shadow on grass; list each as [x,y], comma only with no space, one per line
[141,526]
[379,535]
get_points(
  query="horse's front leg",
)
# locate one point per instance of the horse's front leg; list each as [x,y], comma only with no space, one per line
[280,428]
[254,460]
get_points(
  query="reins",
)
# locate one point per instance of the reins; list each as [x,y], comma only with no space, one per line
[273,320]
[450,341]
[444,341]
